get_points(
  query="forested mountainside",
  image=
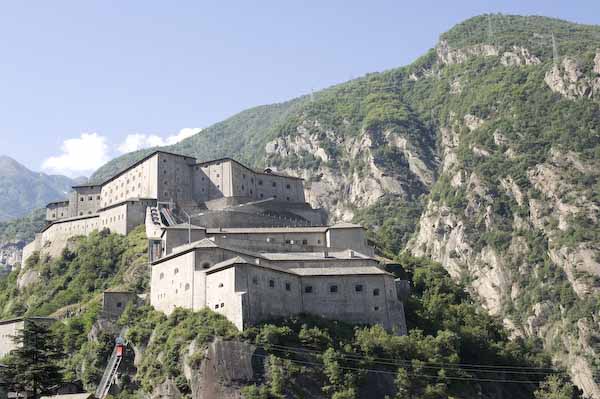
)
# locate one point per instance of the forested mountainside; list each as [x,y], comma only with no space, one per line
[483,154]
[453,349]
[22,190]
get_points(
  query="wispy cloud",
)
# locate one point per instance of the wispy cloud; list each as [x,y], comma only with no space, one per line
[137,141]
[85,154]
[78,156]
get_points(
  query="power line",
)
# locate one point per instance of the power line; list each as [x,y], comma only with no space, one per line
[390,361]
[314,364]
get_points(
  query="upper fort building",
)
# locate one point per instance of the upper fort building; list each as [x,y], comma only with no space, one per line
[240,241]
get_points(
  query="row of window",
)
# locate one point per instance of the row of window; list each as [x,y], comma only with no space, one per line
[309,289]
[90,198]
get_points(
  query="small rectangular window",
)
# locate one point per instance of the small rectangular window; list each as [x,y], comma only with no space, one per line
[376,292]
[358,288]
[271,283]
[308,289]
[288,286]
[333,289]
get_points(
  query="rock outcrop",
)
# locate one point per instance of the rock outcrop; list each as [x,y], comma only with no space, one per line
[569,80]
[358,177]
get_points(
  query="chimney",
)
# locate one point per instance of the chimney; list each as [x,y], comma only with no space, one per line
[257,261]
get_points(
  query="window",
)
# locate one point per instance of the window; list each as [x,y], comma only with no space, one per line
[376,308]
[288,286]
[162,275]
[376,292]
[53,215]
[217,306]
[222,305]
[187,287]
[287,186]
[308,289]
[218,175]
[272,283]
[206,265]
[98,198]
[255,280]
[333,289]
[274,184]
[318,241]
[261,195]
[358,288]
[220,285]
[176,271]
[304,242]
[80,213]
[119,304]
[243,187]
[287,198]
[260,182]
[82,199]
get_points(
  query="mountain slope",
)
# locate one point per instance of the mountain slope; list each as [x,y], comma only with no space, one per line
[483,155]
[22,190]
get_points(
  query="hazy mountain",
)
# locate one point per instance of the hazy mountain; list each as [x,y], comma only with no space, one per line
[22,190]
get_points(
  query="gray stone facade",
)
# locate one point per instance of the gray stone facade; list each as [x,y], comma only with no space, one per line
[241,242]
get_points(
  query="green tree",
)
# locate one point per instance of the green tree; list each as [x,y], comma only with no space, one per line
[34,365]
[556,387]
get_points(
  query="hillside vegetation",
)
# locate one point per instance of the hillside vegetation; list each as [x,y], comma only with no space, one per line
[482,155]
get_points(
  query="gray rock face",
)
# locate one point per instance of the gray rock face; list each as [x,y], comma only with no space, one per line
[341,190]
[226,368]
[518,56]
[568,80]
[449,56]
[166,390]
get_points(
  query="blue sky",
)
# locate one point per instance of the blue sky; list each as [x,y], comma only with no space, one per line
[82,81]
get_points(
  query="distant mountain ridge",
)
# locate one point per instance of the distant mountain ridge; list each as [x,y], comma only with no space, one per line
[23,190]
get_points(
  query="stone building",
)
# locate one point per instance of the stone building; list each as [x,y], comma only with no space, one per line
[219,193]
[10,328]
[236,240]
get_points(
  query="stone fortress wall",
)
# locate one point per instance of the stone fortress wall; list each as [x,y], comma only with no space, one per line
[241,242]
[119,204]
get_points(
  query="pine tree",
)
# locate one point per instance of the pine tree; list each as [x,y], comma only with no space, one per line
[34,366]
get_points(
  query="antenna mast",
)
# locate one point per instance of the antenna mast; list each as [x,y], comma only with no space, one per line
[554,50]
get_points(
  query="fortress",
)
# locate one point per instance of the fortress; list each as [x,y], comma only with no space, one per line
[242,242]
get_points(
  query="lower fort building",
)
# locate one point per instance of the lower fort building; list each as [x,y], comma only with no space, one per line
[241,242]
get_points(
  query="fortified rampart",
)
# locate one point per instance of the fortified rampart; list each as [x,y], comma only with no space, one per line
[241,242]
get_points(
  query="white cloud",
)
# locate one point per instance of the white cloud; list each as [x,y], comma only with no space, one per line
[138,141]
[81,155]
